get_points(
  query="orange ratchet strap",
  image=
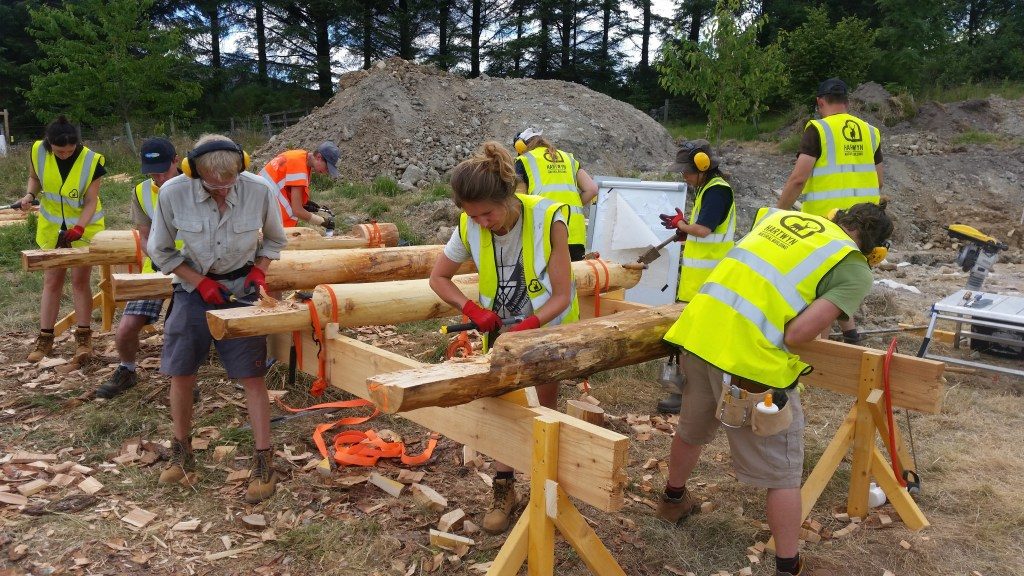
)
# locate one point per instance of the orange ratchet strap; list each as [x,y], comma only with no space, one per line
[320,384]
[375,239]
[598,287]
[460,344]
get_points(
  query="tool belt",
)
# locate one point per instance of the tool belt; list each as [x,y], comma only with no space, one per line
[737,406]
[233,275]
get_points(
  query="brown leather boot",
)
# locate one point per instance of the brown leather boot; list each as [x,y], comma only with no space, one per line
[44,345]
[181,469]
[499,516]
[83,344]
[675,510]
[262,477]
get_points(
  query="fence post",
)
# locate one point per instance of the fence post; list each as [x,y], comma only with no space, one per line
[131,139]
[232,125]
[664,113]
[266,124]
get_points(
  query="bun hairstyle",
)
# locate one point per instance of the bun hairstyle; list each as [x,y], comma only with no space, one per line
[871,220]
[488,175]
[60,132]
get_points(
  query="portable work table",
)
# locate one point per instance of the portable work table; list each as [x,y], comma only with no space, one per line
[974,308]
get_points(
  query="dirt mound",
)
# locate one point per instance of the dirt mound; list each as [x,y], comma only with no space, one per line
[415,123]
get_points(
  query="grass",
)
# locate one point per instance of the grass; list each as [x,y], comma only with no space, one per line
[744,130]
[1008,89]
[979,137]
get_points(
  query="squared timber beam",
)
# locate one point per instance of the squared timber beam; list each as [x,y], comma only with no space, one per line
[591,460]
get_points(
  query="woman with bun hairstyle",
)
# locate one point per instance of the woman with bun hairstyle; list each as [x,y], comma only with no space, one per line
[520,245]
[64,177]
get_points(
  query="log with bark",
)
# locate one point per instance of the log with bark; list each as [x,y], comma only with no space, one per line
[352,305]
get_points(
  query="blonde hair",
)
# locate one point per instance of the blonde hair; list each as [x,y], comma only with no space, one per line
[551,153]
[488,175]
[221,164]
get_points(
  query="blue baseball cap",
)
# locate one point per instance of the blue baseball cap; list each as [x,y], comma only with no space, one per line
[157,155]
[330,152]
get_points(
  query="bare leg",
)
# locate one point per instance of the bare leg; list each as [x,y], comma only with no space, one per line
[181,405]
[784,513]
[127,337]
[257,402]
[682,460]
[49,303]
[81,292]
[848,324]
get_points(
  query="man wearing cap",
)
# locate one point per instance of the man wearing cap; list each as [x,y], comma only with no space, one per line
[556,175]
[289,173]
[160,162]
[709,232]
[839,165]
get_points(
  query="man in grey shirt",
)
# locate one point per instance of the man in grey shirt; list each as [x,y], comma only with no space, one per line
[218,210]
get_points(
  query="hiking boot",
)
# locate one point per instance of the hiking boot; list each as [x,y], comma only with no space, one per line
[852,336]
[181,469]
[44,345]
[675,510]
[262,477]
[670,404]
[83,344]
[497,518]
[803,570]
[122,379]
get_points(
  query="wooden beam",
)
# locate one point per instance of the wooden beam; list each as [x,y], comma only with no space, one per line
[522,359]
[591,460]
[376,304]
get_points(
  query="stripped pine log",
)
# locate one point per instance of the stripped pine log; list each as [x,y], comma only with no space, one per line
[304,269]
[384,303]
[522,359]
[124,246]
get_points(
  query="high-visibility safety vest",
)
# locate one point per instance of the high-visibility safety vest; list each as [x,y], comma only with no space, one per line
[737,321]
[147,193]
[701,255]
[61,200]
[844,173]
[556,181]
[288,169]
[538,216]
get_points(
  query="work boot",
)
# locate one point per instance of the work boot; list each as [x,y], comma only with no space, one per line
[83,344]
[670,404]
[181,469]
[44,345]
[675,510]
[497,519]
[805,570]
[262,477]
[122,379]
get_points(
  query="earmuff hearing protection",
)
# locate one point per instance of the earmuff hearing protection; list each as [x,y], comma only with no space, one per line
[701,160]
[521,139]
[877,254]
[188,165]
[520,146]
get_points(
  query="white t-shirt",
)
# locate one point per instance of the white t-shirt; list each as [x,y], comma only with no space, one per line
[511,299]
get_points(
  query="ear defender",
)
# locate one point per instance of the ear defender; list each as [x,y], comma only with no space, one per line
[520,146]
[701,160]
[877,254]
[188,165]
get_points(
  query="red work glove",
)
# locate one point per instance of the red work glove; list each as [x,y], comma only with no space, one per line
[254,280]
[485,320]
[213,292]
[671,222]
[529,323]
[74,234]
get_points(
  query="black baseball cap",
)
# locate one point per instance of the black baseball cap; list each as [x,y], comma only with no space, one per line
[832,87]
[157,155]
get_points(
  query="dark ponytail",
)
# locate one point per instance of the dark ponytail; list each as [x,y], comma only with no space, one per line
[60,132]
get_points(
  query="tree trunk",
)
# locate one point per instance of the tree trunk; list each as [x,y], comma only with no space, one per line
[261,43]
[645,36]
[323,58]
[524,359]
[517,61]
[442,33]
[213,13]
[404,31]
[544,53]
[696,20]
[383,303]
[476,28]
[567,14]
[606,30]
[367,34]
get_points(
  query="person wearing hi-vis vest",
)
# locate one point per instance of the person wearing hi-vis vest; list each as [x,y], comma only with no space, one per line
[160,163]
[290,172]
[782,283]
[709,232]
[520,245]
[65,178]
[556,175]
[839,165]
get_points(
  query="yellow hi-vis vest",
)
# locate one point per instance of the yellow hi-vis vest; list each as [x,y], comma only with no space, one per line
[67,195]
[147,193]
[737,321]
[538,217]
[556,181]
[845,173]
[701,255]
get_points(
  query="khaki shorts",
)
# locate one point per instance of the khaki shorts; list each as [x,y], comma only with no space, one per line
[775,461]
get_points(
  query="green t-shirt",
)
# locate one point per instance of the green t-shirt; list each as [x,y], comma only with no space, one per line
[846,285]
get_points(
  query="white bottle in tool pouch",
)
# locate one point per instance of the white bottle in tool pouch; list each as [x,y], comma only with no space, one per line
[766,406]
[772,414]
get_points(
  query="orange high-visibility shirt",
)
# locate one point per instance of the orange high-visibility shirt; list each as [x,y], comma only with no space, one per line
[288,169]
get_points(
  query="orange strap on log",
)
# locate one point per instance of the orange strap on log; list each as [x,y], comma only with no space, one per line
[598,287]
[460,344]
[139,255]
[375,239]
[320,384]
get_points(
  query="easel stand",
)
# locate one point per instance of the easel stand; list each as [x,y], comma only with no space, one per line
[857,433]
[532,539]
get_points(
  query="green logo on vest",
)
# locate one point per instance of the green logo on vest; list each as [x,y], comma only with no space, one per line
[535,287]
[851,131]
[800,226]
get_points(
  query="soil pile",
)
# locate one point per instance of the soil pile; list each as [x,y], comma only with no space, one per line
[415,123]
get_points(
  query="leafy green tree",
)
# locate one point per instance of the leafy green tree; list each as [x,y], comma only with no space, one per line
[728,74]
[102,60]
[821,49]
